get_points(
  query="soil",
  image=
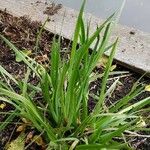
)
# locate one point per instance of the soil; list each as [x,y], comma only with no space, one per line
[22,32]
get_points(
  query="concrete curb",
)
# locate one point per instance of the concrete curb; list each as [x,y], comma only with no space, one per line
[134,48]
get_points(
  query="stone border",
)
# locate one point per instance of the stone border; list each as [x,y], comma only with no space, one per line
[134,48]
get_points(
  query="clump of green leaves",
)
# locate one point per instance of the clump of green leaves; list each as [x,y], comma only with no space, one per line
[63,118]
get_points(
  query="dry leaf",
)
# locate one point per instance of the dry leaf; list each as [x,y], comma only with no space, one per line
[26,52]
[78,121]
[141,123]
[42,58]
[24,120]
[17,144]
[29,136]
[38,140]
[2,106]
[147,88]
[27,122]
[21,128]
[113,67]
[102,61]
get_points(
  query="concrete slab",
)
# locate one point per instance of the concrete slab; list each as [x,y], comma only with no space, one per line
[133,51]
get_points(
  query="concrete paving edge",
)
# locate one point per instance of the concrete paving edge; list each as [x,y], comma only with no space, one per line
[133,51]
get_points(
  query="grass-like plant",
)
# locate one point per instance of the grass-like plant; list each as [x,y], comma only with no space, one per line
[63,117]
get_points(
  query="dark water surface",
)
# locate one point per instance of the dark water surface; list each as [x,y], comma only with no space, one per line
[136,13]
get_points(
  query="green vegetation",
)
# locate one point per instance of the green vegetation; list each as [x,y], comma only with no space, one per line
[62,117]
